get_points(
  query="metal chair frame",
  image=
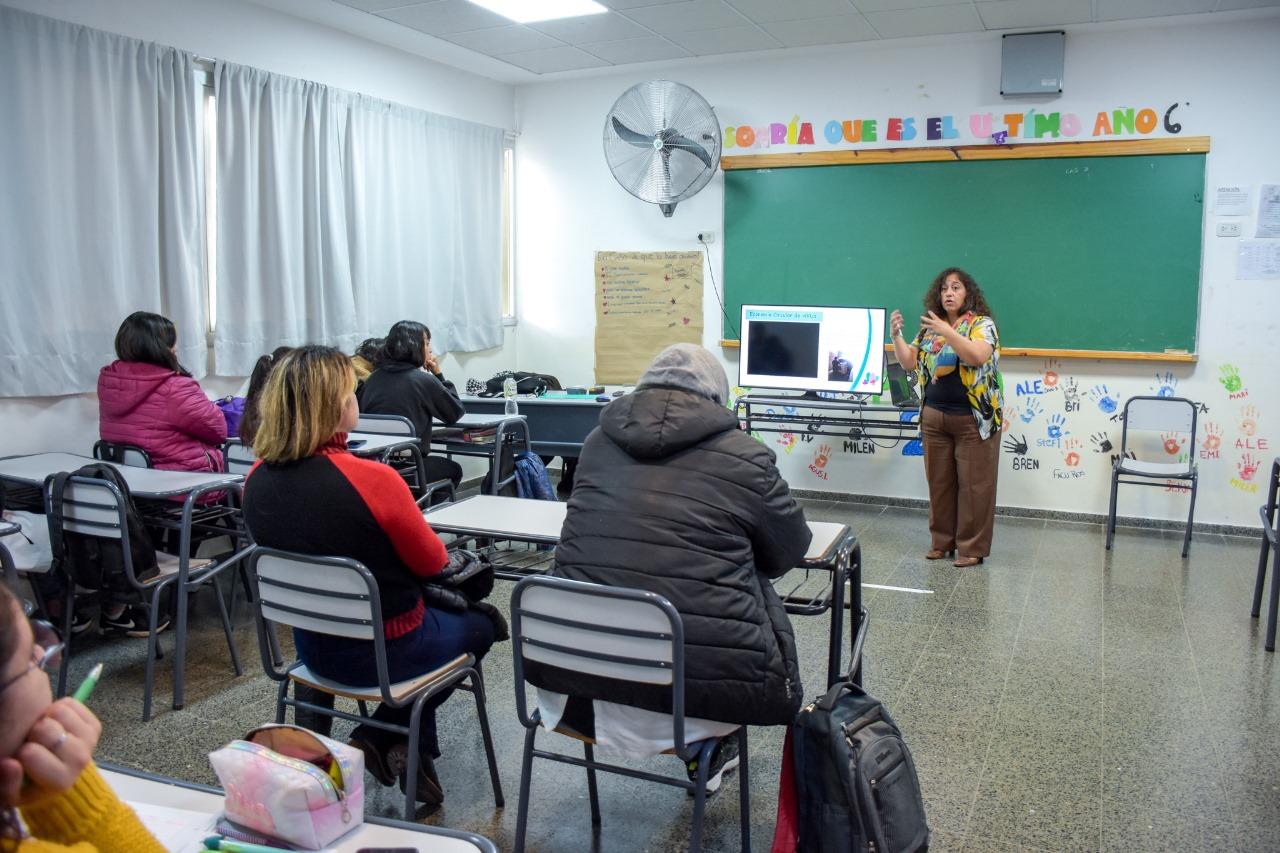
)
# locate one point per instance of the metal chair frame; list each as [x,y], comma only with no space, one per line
[282,602]
[640,666]
[1270,547]
[122,454]
[1191,474]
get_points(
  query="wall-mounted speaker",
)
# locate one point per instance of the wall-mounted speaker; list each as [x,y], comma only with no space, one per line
[1031,63]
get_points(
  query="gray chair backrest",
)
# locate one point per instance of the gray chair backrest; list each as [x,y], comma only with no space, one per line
[123,454]
[326,595]
[94,508]
[385,425]
[240,457]
[1160,414]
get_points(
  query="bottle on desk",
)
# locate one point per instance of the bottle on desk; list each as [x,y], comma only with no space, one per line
[510,407]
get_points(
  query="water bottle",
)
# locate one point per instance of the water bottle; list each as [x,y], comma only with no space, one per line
[509,395]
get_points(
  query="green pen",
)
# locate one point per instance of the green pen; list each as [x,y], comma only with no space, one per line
[227,845]
[86,687]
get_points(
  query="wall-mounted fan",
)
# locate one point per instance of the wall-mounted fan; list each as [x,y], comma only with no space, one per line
[662,142]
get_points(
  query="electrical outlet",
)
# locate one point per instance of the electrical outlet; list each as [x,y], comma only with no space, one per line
[705,237]
[1228,229]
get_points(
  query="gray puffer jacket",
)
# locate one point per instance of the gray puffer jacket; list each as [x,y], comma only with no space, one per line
[671,497]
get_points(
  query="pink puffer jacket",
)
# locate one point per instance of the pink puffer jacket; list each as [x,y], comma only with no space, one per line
[164,413]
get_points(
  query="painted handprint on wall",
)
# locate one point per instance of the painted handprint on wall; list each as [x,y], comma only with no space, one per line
[1249,420]
[1106,401]
[1017,446]
[788,441]
[1101,442]
[1051,373]
[1172,442]
[1071,391]
[1030,409]
[1166,385]
[823,455]
[1212,440]
[1072,456]
[1055,428]
[1229,376]
[1247,466]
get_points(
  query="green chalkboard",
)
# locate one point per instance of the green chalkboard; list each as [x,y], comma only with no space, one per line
[1073,253]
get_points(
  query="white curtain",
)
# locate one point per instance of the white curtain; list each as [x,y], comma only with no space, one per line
[339,214]
[100,209]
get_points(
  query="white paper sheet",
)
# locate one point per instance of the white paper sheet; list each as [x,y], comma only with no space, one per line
[1268,211]
[1257,259]
[1232,200]
[179,830]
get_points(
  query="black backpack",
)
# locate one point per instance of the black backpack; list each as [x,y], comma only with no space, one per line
[96,562]
[856,785]
[526,383]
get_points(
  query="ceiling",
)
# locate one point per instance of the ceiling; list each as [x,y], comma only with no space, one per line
[462,34]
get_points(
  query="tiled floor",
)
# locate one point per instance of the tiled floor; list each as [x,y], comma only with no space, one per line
[1058,697]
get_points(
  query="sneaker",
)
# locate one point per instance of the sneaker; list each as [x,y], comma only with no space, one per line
[429,792]
[375,761]
[724,759]
[132,622]
[81,622]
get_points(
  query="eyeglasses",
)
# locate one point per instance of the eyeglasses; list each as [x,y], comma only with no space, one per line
[46,652]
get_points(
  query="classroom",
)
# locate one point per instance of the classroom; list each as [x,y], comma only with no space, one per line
[1058,690]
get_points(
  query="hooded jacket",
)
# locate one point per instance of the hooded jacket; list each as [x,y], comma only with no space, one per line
[672,498]
[163,412]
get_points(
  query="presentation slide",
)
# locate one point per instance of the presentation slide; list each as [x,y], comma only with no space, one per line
[812,348]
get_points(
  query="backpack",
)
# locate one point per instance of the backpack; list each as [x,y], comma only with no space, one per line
[526,383]
[232,409]
[97,562]
[856,784]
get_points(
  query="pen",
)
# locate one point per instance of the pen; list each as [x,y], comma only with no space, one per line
[86,687]
[215,842]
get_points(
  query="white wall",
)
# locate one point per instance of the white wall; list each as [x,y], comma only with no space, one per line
[250,34]
[569,206]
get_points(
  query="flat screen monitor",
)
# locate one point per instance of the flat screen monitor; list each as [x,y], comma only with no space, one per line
[812,348]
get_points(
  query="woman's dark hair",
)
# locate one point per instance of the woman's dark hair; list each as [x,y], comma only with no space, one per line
[406,343]
[150,339]
[370,349]
[257,379]
[973,299]
[10,830]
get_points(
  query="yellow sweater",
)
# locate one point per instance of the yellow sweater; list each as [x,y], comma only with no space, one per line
[87,818]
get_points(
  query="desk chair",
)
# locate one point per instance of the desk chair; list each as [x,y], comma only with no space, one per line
[620,634]
[240,457]
[96,508]
[415,472]
[121,454]
[1270,546]
[8,528]
[1163,415]
[338,596]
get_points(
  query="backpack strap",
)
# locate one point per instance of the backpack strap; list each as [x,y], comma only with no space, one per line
[55,515]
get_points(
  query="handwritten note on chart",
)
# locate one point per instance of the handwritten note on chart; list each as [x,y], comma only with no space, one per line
[645,301]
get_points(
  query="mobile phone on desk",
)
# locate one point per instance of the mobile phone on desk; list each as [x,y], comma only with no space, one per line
[353,443]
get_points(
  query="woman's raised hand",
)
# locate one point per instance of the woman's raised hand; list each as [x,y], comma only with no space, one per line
[58,748]
[895,323]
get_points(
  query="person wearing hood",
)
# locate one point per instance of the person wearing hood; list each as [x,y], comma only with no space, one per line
[671,497]
[146,398]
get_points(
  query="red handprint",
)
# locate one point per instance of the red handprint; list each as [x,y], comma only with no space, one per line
[1213,436]
[1072,457]
[1249,420]
[1051,373]
[820,458]
[1172,443]
[1248,466]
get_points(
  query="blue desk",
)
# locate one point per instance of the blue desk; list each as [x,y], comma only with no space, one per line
[557,425]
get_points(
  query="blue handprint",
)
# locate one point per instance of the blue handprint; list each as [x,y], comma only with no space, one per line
[1030,410]
[1101,395]
[1166,385]
[1056,423]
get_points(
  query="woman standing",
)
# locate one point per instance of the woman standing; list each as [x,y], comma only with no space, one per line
[956,356]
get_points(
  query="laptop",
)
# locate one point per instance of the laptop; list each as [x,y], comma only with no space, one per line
[902,386]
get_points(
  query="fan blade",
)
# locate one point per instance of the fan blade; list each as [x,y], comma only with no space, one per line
[628,135]
[675,140]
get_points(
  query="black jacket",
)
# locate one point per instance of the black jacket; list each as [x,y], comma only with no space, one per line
[402,389]
[671,497]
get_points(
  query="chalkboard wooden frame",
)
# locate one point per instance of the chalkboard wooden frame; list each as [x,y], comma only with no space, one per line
[940,154]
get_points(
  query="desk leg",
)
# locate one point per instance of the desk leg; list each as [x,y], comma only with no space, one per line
[835,644]
[855,609]
[180,605]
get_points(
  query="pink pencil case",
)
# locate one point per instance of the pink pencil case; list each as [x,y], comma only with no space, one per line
[277,784]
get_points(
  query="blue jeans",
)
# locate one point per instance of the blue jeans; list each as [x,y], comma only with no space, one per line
[442,636]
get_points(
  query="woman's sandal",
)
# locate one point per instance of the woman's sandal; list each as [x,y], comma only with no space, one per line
[967,562]
[936,554]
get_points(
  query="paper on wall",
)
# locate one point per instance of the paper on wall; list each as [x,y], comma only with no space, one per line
[1232,200]
[645,301]
[1268,211]
[1258,259]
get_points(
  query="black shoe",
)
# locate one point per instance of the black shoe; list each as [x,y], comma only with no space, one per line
[132,622]
[429,792]
[724,759]
[81,622]
[375,761]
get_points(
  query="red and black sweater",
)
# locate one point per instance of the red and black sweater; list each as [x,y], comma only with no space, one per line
[335,504]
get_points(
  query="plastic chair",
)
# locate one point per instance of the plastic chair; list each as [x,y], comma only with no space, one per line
[621,634]
[338,596]
[1155,414]
[1270,547]
[415,472]
[121,454]
[240,457]
[96,508]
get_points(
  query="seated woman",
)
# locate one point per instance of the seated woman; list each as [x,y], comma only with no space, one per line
[46,756]
[257,381]
[308,494]
[408,382]
[146,398]
[671,497]
[365,359]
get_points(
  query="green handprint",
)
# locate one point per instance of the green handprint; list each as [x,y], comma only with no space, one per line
[1230,378]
